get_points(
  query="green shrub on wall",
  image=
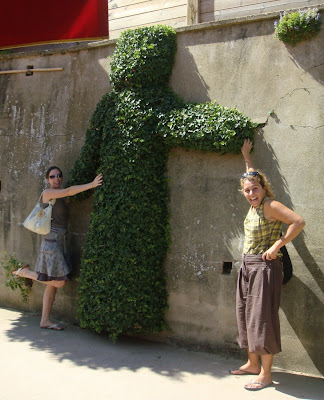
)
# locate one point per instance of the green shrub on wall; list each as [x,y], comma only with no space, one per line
[297,26]
[122,284]
[10,263]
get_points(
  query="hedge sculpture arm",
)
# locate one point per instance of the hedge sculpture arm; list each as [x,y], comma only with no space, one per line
[208,127]
[87,165]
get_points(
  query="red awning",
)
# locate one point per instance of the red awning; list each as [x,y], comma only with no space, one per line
[25,23]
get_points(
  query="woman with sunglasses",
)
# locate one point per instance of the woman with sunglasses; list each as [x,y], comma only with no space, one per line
[53,266]
[260,275]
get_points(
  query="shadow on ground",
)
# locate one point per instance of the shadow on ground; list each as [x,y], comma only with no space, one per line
[94,351]
[299,386]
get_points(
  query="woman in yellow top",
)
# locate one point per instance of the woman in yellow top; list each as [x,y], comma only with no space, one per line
[260,276]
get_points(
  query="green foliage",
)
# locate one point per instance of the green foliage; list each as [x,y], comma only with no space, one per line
[122,284]
[9,263]
[208,127]
[297,26]
[144,57]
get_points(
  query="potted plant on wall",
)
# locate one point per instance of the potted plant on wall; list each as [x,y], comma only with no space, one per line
[295,27]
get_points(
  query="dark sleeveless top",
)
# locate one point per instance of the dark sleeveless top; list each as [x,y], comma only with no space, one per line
[60,213]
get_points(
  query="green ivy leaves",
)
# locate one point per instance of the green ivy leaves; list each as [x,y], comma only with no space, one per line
[9,263]
[207,127]
[144,57]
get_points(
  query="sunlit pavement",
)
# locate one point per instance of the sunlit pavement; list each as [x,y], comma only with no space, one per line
[77,364]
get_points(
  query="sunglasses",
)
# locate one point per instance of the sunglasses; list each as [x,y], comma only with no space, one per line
[253,173]
[56,176]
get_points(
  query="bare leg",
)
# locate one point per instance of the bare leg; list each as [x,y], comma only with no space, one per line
[48,300]
[48,297]
[265,374]
[27,273]
[266,364]
[251,366]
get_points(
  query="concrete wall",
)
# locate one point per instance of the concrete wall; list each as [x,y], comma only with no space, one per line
[43,119]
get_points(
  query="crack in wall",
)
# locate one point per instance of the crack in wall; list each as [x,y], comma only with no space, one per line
[273,114]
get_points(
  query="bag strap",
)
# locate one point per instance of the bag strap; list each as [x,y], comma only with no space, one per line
[50,203]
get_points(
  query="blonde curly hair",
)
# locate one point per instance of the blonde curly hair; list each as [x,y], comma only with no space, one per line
[259,177]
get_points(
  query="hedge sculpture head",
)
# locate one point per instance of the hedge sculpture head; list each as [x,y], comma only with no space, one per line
[144,57]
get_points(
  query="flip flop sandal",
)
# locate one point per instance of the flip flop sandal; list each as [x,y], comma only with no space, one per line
[54,327]
[241,372]
[254,389]
[19,269]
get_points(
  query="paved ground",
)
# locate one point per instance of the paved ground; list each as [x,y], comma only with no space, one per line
[76,364]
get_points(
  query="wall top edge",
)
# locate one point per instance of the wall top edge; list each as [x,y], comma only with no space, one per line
[245,19]
[191,28]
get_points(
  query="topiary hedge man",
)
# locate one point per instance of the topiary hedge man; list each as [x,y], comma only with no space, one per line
[122,284]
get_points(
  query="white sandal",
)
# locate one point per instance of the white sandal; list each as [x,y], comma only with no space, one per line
[19,270]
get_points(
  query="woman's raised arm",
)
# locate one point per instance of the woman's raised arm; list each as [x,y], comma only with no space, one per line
[246,149]
[50,194]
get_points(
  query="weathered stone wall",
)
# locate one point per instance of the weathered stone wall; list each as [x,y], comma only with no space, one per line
[43,119]
[43,122]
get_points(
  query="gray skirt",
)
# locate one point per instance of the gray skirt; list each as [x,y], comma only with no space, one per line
[53,261]
[257,304]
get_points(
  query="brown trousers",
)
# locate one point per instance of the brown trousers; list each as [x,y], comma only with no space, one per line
[257,304]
